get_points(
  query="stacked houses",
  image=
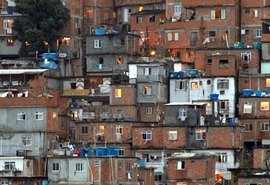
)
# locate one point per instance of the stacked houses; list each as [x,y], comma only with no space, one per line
[149,92]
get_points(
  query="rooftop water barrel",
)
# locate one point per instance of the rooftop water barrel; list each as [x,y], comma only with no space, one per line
[83,152]
[258,93]
[112,150]
[247,92]
[101,151]
[181,74]
[214,96]
[90,152]
[231,121]
[257,45]
[99,31]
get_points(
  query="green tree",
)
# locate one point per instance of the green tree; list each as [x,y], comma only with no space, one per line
[39,24]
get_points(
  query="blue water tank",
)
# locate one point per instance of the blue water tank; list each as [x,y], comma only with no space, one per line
[90,152]
[83,152]
[214,96]
[44,182]
[181,74]
[112,150]
[258,93]
[247,92]
[101,151]
[231,121]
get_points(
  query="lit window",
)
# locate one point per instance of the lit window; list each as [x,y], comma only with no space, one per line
[172,135]
[247,109]
[149,110]
[194,85]
[119,60]
[265,126]
[147,135]
[66,41]
[180,165]
[56,167]
[169,36]
[267,82]
[200,134]
[39,116]
[147,90]
[221,157]
[101,129]
[26,140]
[218,14]
[140,8]
[10,42]
[79,167]
[8,26]
[264,105]
[118,93]
[21,116]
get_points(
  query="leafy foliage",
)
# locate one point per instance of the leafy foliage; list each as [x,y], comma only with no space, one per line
[39,24]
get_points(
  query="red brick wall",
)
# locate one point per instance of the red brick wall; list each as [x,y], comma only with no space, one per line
[128,94]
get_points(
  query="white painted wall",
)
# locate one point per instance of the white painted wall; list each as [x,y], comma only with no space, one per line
[18,162]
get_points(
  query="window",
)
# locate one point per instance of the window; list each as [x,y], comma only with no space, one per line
[147,71]
[209,61]
[4,182]
[146,135]
[177,9]
[79,167]
[264,126]
[119,60]
[152,18]
[118,93]
[224,105]
[147,90]
[10,42]
[119,41]
[39,116]
[255,13]
[194,85]
[101,129]
[212,34]
[264,106]
[139,19]
[84,130]
[182,114]
[100,63]
[246,56]
[248,127]
[149,110]
[141,8]
[267,82]
[193,38]
[26,140]
[208,82]
[119,129]
[247,109]
[258,33]
[223,64]
[221,157]
[21,116]
[222,84]
[172,135]
[9,165]
[200,134]
[173,36]
[181,183]
[7,25]
[244,31]
[180,165]
[218,14]
[56,167]
[121,151]
[180,85]
[97,43]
